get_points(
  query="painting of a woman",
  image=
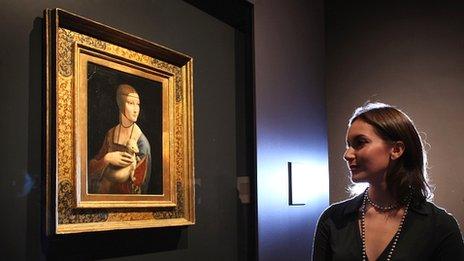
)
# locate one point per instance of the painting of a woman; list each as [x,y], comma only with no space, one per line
[123,163]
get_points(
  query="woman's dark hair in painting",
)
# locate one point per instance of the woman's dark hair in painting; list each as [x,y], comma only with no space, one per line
[409,173]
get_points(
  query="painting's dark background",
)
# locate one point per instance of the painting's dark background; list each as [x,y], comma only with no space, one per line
[103,114]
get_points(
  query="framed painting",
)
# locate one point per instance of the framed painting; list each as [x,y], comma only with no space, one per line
[119,129]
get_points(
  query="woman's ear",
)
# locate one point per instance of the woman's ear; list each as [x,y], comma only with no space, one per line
[396,150]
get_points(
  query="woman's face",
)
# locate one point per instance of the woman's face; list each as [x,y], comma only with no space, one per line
[367,154]
[132,107]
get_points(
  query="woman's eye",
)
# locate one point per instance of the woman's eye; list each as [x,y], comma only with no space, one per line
[359,144]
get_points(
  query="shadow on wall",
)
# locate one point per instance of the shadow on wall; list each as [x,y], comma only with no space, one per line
[115,243]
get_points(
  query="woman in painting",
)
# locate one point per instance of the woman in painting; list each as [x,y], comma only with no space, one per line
[123,164]
[392,219]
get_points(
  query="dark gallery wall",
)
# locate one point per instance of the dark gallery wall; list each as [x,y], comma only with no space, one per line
[409,54]
[290,124]
[174,24]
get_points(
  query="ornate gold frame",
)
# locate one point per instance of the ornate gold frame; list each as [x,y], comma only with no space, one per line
[71,42]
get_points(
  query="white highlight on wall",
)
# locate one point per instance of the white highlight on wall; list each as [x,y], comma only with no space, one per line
[309,182]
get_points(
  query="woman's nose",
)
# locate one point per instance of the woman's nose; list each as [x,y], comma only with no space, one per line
[348,155]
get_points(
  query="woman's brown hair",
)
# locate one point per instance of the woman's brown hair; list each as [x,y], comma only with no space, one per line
[409,174]
[122,92]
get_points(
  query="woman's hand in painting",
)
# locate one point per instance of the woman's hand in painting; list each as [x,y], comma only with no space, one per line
[119,158]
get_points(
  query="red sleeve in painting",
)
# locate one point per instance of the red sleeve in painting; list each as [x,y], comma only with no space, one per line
[140,171]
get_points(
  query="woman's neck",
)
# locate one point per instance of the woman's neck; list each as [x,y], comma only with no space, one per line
[380,194]
[124,122]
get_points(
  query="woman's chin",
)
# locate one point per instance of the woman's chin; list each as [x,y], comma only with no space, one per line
[356,176]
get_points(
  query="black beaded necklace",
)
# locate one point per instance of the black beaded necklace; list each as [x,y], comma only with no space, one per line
[363,226]
[379,207]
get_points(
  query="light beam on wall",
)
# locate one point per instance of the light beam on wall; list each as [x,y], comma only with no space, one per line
[306,182]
